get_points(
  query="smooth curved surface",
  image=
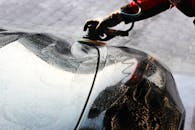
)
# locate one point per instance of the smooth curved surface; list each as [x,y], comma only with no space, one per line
[36,95]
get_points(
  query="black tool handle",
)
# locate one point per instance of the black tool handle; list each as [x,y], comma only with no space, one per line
[111,33]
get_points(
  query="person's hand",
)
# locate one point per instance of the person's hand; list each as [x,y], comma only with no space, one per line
[94,26]
[91,23]
[100,26]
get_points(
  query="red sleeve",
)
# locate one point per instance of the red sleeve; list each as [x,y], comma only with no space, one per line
[149,7]
[147,4]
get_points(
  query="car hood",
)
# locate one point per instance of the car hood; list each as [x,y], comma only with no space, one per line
[42,87]
[123,71]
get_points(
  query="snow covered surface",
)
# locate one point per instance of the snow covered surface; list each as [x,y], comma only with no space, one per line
[186,88]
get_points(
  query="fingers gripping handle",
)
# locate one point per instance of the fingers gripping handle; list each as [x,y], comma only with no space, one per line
[107,33]
[111,33]
[94,34]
